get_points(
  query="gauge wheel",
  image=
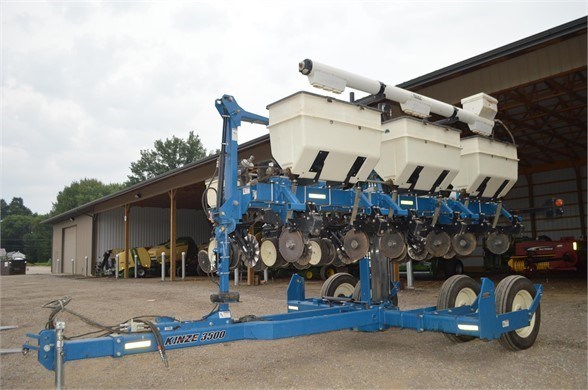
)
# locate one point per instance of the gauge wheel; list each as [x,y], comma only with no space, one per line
[340,285]
[458,290]
[514,293]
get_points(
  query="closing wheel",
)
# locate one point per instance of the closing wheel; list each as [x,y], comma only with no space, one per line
[259,266]
[340,285]
[449,255]
[498,243]
[458,290]
[392,244]
[514,293]
[315,250]
[417,255]
[204,259]
[403,258]
[235,258]
[356,244]
[300,266]
[270,255]
[438,243]
[291,245]
[209,265]
[304,260]
[464,244]
[250,253]
[329,252]
[342,258]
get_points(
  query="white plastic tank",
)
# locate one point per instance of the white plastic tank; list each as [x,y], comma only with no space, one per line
[318,137]
[417,155]
[488,168]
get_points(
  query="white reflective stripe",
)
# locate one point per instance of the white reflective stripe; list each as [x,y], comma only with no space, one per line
[138,344]
[407,202]
[317,196]
[468,327]
[292,307]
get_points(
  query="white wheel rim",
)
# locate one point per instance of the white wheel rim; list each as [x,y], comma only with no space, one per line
[523,301]
[211,254]
[344,290]
[269,253]
[466,296]
[315,252]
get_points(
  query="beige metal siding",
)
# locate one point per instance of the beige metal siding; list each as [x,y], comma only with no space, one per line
[82,245]
[148,227]
[69,248]
[57,254]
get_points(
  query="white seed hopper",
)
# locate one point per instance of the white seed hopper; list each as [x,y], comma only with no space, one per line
[488,168]
[318,137]
[419,156]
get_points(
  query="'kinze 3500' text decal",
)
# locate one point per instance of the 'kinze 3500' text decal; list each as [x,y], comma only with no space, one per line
[194,337]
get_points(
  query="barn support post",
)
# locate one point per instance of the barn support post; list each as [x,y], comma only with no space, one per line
[93,251]
[172,234]
[127,239]
[532,217]
[581,205]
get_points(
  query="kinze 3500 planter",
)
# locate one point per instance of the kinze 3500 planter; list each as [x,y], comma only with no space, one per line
[346,185]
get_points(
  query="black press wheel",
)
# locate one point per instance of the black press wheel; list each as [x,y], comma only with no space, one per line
[458,290]
[514,293]
[340,285]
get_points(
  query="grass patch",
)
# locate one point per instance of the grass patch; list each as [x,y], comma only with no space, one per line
[40,263]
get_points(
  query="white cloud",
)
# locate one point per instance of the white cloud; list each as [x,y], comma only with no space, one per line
[86,85]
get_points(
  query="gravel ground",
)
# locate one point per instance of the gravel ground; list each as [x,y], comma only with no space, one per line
[345,359]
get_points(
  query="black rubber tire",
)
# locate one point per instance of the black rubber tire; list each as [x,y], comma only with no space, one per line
[506,291]
[327,271]
[448,295]
[332,284]
[458,267]
[451,267]
[141,272]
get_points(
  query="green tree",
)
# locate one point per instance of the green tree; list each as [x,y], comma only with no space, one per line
[37,242]
[15,207]
[81,192]
[165,156]
[16,222]
[3,208]
[14,228]
[21,230]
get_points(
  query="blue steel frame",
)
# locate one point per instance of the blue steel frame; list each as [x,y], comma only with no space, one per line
[305,315]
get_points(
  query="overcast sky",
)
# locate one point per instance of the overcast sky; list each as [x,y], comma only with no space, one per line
[87,85]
